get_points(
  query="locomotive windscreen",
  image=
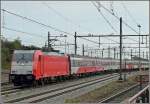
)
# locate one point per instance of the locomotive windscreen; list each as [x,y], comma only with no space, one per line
[22,57]
[22,62]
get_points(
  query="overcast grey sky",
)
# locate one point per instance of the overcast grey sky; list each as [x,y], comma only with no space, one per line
[71,16]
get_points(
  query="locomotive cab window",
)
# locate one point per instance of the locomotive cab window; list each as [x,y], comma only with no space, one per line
[22,57]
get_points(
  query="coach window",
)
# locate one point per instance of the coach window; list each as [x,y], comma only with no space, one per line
[76,63]
[72,62]
[93,63]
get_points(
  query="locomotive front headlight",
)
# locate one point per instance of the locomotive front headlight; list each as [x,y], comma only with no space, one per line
[13,72]
[12,77]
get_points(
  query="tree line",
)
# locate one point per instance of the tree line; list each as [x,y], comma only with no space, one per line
[7,48]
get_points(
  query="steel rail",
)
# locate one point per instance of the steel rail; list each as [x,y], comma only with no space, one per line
[107,100]
[11,90]
[133,98]
[59,91]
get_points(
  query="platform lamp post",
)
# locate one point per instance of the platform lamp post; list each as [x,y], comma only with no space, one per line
[140,71]
[139,26]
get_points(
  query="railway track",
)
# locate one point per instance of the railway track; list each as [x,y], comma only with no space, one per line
[5,83]
[6,86]
[117,95]
[9,89]
[34,98]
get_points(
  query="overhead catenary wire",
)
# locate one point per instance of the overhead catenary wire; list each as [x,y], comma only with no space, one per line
[3,19]
[59,14]
[104,17]
[34,21]
[23,32]
[117,17]
[10,38]
[42,24]
[111,6]
[133,19]
[48,26]
[96,42]
[125,52]
[67,19]
[27,33]
[64,17]
[106,21]
[125,8]
[24,41]
[111,13]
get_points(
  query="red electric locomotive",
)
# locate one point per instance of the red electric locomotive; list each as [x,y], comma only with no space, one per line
[29,66]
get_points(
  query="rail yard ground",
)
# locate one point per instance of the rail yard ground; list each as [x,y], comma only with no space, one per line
[27,91]
[29,94]
[5,75]
[106,91]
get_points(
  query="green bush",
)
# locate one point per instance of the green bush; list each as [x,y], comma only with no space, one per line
[7,48]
